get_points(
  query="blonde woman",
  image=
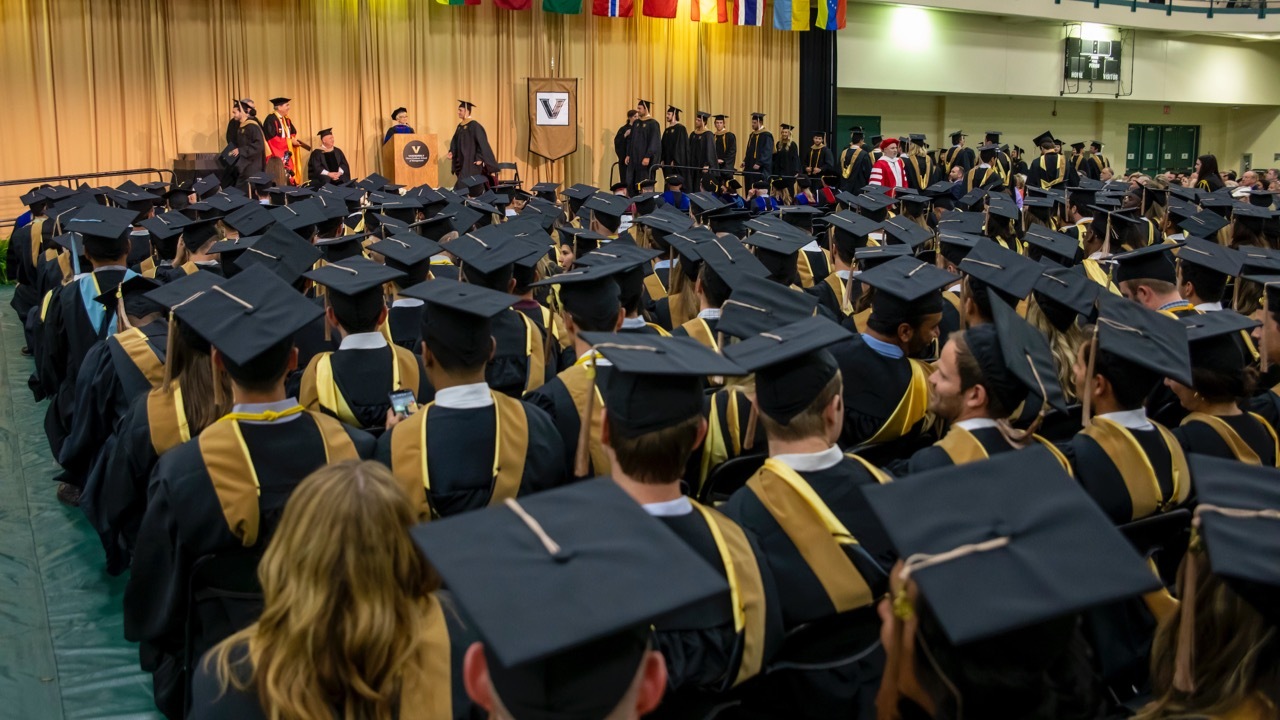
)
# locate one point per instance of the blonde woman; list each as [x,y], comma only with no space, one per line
[351,626]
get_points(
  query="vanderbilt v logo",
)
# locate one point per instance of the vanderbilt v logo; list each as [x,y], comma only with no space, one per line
[415,148]
[552,111]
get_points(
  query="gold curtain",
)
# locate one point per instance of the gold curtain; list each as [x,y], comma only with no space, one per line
[132,83]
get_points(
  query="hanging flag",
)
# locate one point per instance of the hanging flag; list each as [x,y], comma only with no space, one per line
[513,4]
[611,8]
[661,8]
[749,12]
[791,14]
[563,7]
[830,14]
[709,11]
[458,2]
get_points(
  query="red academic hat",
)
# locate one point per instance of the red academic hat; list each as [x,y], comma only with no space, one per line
[885,143]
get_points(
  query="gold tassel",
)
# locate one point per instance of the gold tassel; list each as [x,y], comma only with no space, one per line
[1086,403]
[964,296]
[328,332]
[1266,323]
[1184,671]
[749,441]
[582,460]
[219,399]
[170,341]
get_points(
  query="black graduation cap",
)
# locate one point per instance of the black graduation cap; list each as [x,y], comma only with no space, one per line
[705,202]
[942,187]
[1144,337]
[353,276]
[279,101]
[133,293]
[260,180]
[1040,203]
[340,248]
[870,257]
[196,234]
[790,364]
[873,202]
[298,216]
[226,202]
[282,251]
[975,198]
[1015,359]
[100,226]
[1239,528]
[1078,145]
[248,314]
[1005,270]
[458,316]
[564,631]
[909,197]
[757,305]
[729,260]
[1254,216]
[969,223]
[906,287]
[1215,342]
[488,250]
[545,188]
[404,251]
[954,246]
[206,186]
[578,191]
[1153,262]
[167,225]
[180,290]
[757,116]
[589,291]
[657,381]
[34,196]
[581,239]
[775,240]
[235,246]
[1005,544]
[1218,201]
[466,104]
[611,205]
[1211,256]
[1203,224]
[1063,249]
[1003,208]
[1068,288]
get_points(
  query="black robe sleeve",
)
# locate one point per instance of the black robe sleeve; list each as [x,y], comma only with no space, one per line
[675,145]
[96,404]
[620,140]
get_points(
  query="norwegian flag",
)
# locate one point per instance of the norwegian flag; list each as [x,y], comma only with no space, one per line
[611,8]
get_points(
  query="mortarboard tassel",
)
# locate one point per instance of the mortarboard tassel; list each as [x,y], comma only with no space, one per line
[1086,402]
[749,441]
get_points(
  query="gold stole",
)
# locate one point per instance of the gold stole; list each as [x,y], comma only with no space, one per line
[922,176]
[699,330]
[816,532]
[746,588]
[578,381]
[1060,171]
[426,693]
[1239,447]
[1093,270]
[911,409]
[147,268]
[319,388]
[723,441]
[511,444]
[853,159]
[964,447]
[653,284]
[837,286]
[235,480]
[167,418]
[1136,469]
[37,239]
[535,352]
[135,345]
[804,269]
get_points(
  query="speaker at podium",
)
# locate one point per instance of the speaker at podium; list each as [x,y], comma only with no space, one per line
[410,159]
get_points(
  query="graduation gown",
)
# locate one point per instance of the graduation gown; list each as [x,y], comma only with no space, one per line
[519,362]
[1131,474]
[115,371]
[620,140]
[461,453]
[202,501]
[448,639]
[565,400]
[982,177]
[823,159]
[855,168]
[333,161]
[404,319]
[701,329]
[252,145]
[890,412]
[26,245]
[961,157]
[353,385]
[758,151]
[960,446]
[726,154]
[786,160]
[728,413]
[644,143]
[1246,437]
[1050,171]
[73,323]
[1018,167]
[705,653]
[702,153]
[819,576]
[471,144]
[675,146]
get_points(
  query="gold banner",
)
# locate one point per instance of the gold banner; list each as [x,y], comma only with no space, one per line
[553,117]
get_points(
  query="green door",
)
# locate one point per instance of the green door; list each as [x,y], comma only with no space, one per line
[1133,149]
[1181,143]
[1151,135]
[870,125]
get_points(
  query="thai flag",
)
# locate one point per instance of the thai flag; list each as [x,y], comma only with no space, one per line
[611,8]
[749,12]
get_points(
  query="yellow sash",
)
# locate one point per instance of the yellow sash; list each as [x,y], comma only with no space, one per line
[881,476]
[922,174]
[234,478]
[167,418]
[699,330]
[427,690]
[510,445]
[319,389]
[1093,269]
[147,268]
[578,381]
[653,284]
[1059,172]
[535,353]
[834,282]
[816,532]
[964,447]
[1135,467]
[135,345]
[853,160]
[37,239]
[911,409]
[746,588]
[1239,447]
[804,269]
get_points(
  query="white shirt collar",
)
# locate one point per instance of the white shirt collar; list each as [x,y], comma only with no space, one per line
[406,302]
[670,508]
[1132,419]
[634,323]
[709,314]
[812,247]
[363,341]
[465,397]
[844,274]
[664,263]
[1209,307]
[957,288]
[975,424]
[812,462]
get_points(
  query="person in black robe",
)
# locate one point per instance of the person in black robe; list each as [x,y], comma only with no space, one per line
[1017,165]
[250,152]
[786,161]
[1051,170]
[800,388]
[702,151]
[675,143]
[355,382]
[223,492]
[513,448]
[726,149]
[855,163]
[411,255]
[820,162]
[620,141]
[469,150]
[26,245]
[644,148]
[328,164]
[958,155]
[757,157]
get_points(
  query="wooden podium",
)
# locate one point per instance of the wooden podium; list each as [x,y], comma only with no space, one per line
[410,160]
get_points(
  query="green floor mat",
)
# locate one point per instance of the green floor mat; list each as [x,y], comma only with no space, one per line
[62,647]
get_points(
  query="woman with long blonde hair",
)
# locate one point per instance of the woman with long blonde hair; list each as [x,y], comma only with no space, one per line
[351,626]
